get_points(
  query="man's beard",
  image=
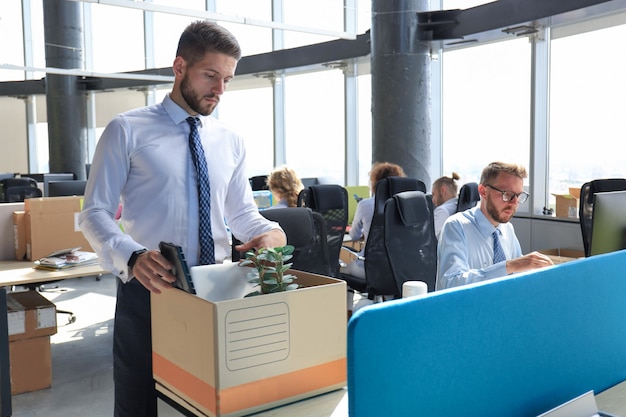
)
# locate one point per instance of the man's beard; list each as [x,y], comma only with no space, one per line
[497,216]
[190,98]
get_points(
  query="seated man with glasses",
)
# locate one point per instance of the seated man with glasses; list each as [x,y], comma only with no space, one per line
[480,243]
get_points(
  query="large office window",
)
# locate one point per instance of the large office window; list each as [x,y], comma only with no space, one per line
[314,115]
[118,41]
[587,108]
[11,28]
[486,107]
[250,113]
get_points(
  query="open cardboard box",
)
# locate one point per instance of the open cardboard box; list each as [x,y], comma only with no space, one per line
[238,356]
[560,255]
[567,204]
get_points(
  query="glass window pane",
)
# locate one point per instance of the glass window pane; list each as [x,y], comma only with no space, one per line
[250,113]
[321,14]
[364,85]
[11,28]
[253,39]
[587,123]
[486,108]
[117,50]
[314,117]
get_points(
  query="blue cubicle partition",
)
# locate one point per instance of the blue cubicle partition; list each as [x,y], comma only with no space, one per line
[515,346]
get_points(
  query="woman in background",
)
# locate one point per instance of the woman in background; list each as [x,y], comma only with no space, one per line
[285,186]
[353,262]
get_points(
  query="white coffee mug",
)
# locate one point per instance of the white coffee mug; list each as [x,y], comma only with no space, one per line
[413,288]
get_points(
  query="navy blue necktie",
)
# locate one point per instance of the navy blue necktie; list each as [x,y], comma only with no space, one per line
[207,246]
[498,253]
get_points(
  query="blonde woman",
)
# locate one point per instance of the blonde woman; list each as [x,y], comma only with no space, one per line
[285,186]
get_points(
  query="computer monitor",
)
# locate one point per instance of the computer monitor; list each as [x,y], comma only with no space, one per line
[55,176]
[66,188]
[608,233]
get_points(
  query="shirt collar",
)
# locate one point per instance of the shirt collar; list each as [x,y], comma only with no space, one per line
[177,113]
[484,225]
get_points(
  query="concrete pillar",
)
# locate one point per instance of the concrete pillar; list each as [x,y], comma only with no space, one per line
[401,98]
[63,23]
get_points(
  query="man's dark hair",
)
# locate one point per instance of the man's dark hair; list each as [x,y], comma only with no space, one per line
[202,37]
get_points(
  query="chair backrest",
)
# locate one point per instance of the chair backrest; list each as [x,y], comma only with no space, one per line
[377,266]
[468,197]
[587,198]
[258,183]
[410,239]
[306,231]
[15,190]
[331,201]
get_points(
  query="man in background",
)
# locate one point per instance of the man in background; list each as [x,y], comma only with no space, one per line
[480,243]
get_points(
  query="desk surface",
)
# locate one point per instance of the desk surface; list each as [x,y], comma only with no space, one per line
[335,404]
[21,273]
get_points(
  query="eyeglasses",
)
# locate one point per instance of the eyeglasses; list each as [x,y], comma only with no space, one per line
[510,195]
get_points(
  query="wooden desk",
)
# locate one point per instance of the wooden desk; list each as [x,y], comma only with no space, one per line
[335,404]
[22,273]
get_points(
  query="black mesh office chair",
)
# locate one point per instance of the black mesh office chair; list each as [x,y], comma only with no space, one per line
[468,197]
[587,197]
[16,190]
[410,241]
[306,231]
[258,183]
[376,259]
[331,201]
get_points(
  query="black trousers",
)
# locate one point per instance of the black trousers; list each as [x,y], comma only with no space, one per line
[135,395]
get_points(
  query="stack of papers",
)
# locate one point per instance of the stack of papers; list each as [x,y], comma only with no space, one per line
[66,258]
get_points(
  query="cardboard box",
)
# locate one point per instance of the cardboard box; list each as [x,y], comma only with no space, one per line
[7,242]
[52,224]
[19,234]
[567,205]
[560,255]
[29,315]
[239,356]
[31,364]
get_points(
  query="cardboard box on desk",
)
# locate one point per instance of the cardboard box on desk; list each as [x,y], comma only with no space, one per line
[52,224]
[200,362]
[560,255]
[19,234]
[567,204]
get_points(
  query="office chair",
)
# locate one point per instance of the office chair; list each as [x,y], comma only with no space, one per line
[587,198]
[16,190]
[331,201]
[258,183]
[410,242]
[376,260]
[468,197]
[306,231]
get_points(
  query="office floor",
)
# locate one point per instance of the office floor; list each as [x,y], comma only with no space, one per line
[82,370]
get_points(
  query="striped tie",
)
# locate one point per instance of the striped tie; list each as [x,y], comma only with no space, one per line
[498,253]
[207,246]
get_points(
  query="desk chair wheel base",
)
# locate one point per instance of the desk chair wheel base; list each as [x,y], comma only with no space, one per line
[71,317]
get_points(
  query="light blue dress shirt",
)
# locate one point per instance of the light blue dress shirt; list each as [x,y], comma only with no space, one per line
[143,161]
[442,213]
[465,249]
[362,221]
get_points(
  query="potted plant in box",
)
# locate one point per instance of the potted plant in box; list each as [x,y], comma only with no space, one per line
[269,267]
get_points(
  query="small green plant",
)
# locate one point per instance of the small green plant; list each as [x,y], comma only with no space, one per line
[269,266]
